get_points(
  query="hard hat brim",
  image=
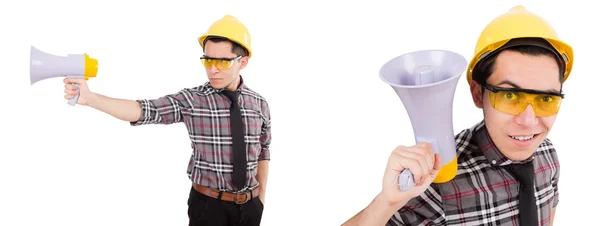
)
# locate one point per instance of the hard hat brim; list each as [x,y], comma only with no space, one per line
[202,39]
[564,52]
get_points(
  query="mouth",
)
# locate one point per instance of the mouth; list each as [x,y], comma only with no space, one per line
[524,137]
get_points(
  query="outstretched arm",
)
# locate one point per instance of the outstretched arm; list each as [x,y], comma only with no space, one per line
[164,110]
[126,110]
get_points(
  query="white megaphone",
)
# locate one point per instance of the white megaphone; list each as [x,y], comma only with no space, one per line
[426,81]
[43,66]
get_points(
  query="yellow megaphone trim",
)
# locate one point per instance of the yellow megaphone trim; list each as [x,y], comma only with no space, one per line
[91,67]
[447,172]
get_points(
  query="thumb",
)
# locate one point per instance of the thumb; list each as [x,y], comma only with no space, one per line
[436,169]
[437,166]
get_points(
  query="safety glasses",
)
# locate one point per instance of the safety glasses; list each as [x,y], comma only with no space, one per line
[219,63]
[514,101]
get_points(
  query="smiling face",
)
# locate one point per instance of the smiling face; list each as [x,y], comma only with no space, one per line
[518,136]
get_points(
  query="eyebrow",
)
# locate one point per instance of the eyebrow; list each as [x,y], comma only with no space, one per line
[506,82]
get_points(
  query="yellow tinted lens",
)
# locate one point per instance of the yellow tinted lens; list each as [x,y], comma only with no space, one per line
[514,103]
[546,105]
[207,63]
[219,64]
[508,102]
[223,64]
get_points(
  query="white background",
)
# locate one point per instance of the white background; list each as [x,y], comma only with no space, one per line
[334,121]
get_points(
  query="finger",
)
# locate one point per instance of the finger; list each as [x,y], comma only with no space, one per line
[399,149]
[398,163]
[395,159]
[395,163]
[414,167]
[420,169]
[422,164]
[427,154]
[71,92]
[437,167]
[70,87]
[423,145]
[438,163]
[428,150]
[73,80]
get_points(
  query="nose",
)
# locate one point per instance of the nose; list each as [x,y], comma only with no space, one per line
[527,117]
[213,69]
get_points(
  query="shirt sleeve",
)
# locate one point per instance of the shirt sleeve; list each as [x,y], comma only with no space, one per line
[168,109]
[425,209]
[265,136]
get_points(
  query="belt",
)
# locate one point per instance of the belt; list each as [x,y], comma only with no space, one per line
[238,198]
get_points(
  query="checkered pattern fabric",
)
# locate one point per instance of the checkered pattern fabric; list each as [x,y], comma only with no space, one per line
[205,113]
[483,192]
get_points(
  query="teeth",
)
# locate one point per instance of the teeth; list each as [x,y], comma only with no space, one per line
[523,138]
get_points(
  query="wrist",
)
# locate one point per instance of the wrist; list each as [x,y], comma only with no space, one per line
[378,212]
[384,205]
[92,100]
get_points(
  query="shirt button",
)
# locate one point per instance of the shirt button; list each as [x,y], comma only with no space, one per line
[493,162]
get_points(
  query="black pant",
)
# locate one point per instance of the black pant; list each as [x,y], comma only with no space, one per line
[207,211]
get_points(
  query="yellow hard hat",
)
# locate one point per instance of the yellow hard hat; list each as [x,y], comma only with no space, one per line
[231,28]
[519,23]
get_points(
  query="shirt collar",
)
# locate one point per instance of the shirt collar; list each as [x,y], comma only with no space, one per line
[489,149]
[240,87]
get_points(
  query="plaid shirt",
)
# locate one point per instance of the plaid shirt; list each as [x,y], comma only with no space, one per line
[483,193]
[205,113]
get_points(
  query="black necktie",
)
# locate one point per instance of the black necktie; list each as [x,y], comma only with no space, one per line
[237,135]
[527,207]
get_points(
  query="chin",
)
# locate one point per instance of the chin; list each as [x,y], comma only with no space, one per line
[216,85]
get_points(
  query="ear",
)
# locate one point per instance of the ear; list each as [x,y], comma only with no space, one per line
[243,62]
[477,94]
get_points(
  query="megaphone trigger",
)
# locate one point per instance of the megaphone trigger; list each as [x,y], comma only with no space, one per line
[425,81]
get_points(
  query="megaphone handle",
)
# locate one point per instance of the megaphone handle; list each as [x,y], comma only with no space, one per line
[406,180]
[73,101]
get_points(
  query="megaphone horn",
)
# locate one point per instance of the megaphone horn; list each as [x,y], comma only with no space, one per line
[44,65]
[426,82]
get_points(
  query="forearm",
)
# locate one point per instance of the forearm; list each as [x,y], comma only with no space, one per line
[378,212]
[262,176]
[126,110]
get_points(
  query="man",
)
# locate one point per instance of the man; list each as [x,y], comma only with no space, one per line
[505,162]
[229,172]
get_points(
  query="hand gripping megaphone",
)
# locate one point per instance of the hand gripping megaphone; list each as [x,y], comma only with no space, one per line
[426,82]
[43,66]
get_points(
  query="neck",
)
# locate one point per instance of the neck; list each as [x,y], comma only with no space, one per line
[235,84]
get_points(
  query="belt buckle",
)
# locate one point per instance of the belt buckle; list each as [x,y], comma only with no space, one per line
[235,198]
